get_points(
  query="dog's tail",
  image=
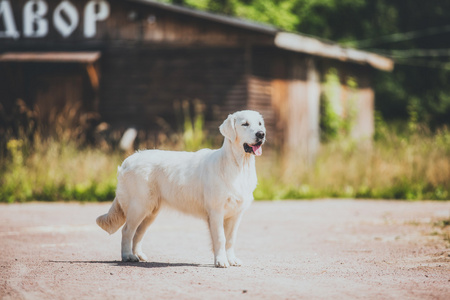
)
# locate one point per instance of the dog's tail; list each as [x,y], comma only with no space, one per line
[113,220]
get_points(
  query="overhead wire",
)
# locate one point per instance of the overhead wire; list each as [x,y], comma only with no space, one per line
[423,63]
[403,36]
[406,57]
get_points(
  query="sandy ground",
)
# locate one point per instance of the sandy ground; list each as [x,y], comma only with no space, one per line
[324,249]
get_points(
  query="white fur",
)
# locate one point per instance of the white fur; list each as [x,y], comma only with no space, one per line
[216,185]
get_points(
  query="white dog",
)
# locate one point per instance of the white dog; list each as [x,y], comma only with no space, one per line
[216,185]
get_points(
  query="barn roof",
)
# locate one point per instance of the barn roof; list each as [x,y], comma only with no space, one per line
[296,42]
[241,23]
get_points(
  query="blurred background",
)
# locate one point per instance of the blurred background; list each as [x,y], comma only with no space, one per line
[355,93]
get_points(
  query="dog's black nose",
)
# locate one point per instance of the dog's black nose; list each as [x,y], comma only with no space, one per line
[260,134]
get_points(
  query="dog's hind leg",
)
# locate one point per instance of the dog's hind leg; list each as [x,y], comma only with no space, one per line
[140,232]
[135,216]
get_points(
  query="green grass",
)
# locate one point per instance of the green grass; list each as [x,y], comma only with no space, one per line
[395,166]
[54,170]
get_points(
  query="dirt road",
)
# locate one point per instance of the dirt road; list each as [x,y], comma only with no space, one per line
[324,249]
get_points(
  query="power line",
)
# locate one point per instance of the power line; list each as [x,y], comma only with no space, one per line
[421,53]
[414,53]
[405,36]
[407,60]
[423,63]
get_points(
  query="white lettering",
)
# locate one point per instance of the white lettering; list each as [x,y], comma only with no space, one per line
[68,23]
[33,13]
[66,18]
[91,16]
[7,15]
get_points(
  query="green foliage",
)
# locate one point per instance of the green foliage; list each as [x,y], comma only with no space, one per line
[194,135]
[280,13]
[13,185]
[381,128]
[337,119]
[330,118]
[413,109]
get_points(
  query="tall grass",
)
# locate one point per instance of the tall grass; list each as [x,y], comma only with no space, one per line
[51,170]
[51,160]
[412,166]
[37,164]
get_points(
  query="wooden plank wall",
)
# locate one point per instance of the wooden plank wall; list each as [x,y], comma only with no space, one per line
[262,93]
[286,87]
[259,99]
[140,85]
[302,134]
[313,96]
[176,29]
[364,126]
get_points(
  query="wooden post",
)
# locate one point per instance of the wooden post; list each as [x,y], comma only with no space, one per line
[302,132]
[313,98]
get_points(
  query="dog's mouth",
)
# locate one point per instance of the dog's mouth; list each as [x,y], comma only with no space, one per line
[253,149]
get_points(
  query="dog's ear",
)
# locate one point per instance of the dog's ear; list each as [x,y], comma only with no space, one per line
[227,129]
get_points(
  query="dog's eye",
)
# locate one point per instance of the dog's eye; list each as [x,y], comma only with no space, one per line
[259,123]
[245,124]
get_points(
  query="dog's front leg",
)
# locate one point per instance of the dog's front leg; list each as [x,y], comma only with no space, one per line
[218,239]
[231,226]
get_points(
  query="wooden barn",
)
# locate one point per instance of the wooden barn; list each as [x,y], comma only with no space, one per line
[128,61]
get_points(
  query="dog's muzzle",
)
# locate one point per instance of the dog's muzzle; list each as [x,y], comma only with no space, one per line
[254,149]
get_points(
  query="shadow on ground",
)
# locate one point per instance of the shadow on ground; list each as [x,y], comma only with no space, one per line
[149,265]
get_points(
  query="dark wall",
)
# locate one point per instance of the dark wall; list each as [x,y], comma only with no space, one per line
[139,85]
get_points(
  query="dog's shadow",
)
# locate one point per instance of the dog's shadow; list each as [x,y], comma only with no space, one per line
[148,265]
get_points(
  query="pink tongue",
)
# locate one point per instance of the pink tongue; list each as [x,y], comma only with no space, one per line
[257,150]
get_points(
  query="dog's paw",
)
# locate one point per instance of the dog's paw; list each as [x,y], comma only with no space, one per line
[234,261]
[130,258]
[221,262]
[141,256]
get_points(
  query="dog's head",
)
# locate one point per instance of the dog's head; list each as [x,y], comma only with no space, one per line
[245,128]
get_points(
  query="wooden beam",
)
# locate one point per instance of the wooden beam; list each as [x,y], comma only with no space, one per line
[93,76]
[309,45]
[77,57]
